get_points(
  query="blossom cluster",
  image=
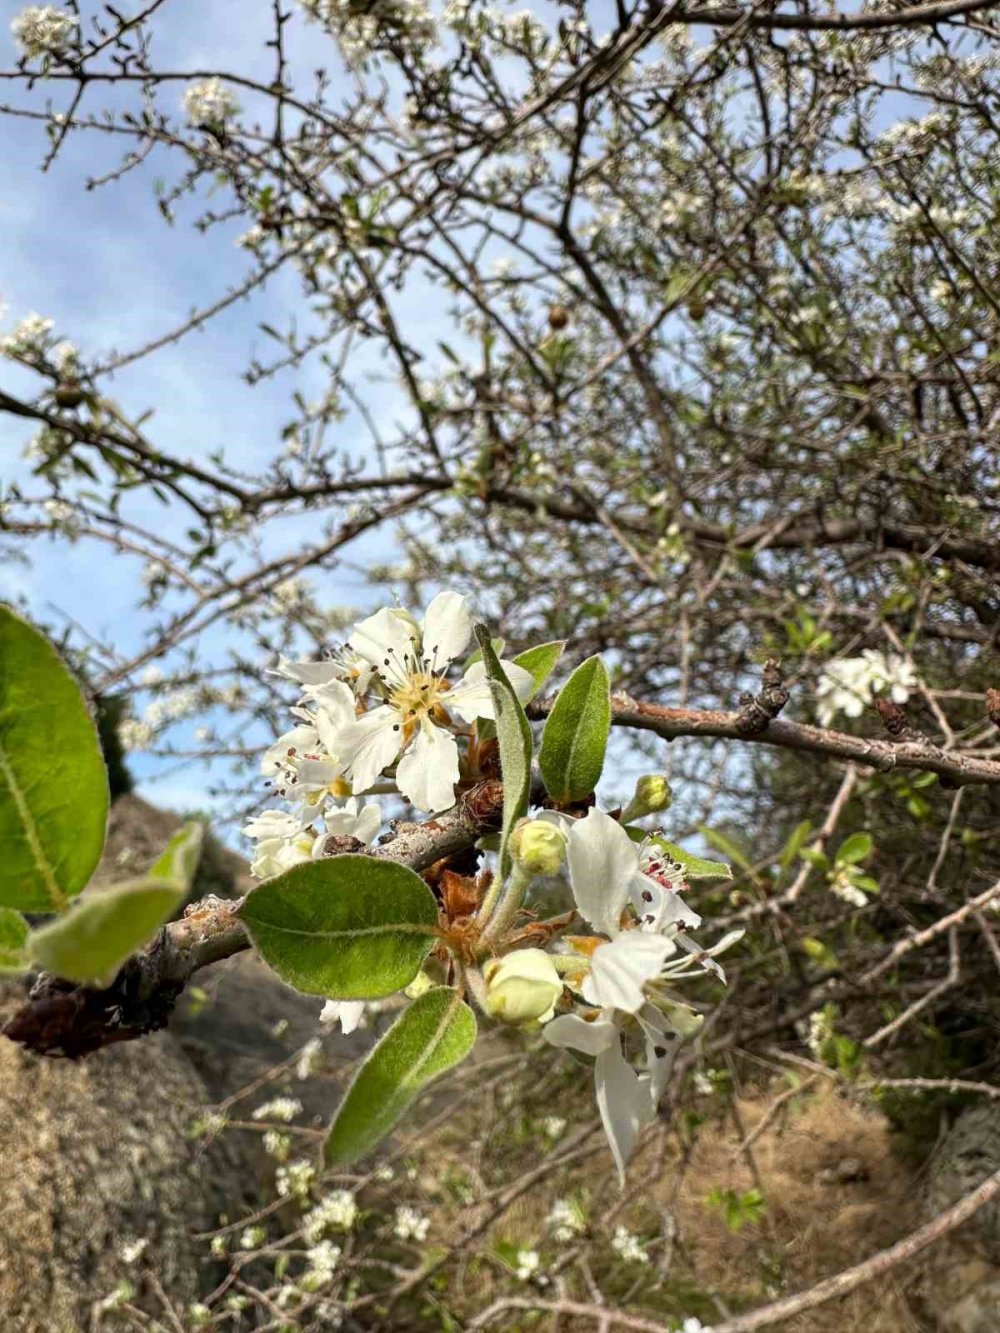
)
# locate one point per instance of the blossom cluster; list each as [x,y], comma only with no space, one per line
[209,104]
[384,701]
[387,709]
[43,30]
[848,684]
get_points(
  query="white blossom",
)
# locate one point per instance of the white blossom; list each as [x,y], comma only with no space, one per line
[210,104]
[566,1220]
[279,1108]
[848,684]
[409,1224]
[628,1246]
[43,30]
[527,1265]
[337,1209]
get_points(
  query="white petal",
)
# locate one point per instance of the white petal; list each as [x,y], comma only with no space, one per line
[370,744]
[624,1103]
[658,907]
[369,823]
[574,1032]
[472,696]
[298,739]
[316,774]
[619,970]
[387,641]
[273,824]
[427,773]
[447,630]
[602,861]
[336,708]
[662,1046]
[307,673]
[348,1012]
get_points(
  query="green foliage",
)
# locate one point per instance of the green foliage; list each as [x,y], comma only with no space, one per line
[435,1033]
[179,860]
[13,938]
[858,847]
[541,661]
[695,867]
[53,784]
[348,927]
[575,736]
[89,943]
[514,736]
[738,1210]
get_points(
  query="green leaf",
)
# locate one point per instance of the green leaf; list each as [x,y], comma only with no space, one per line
[576,733]
[854,849]
[795,843]
[724,844]
[431,1036]
[89,943]
[540,662]
[695,867]
[348,927]
[514,736]
[179,860]
[53,783]
[13,938]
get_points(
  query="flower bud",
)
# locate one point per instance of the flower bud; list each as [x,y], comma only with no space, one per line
[522,987]
[538,847]
[652,797]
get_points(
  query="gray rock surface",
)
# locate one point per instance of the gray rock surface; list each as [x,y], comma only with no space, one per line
[967,1154]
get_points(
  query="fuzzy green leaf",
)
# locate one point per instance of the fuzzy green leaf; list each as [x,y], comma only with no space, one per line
[348,927]
[89,943]
[514,736]
[540,661]
[13,938]
[436,1032]
[179,860]
[53,783]
[575,737]
[695,867]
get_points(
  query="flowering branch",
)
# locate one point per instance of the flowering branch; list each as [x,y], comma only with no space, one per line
[63,1019]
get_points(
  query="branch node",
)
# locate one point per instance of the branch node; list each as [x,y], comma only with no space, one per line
[758,711]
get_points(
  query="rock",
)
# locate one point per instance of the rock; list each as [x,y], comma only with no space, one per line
[845,1172]
[95,1154]
[978,1312]
[967,1154]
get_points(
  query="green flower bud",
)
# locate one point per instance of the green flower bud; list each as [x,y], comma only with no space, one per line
[538,846]
[522,987]
[652,797]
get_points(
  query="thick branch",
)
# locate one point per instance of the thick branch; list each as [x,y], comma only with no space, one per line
[959,769]
[63,1019]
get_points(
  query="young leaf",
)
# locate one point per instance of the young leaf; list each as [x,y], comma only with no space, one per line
[695,867]
[13,938]
[540,661]
[89,943]
[53,783]
[348,927]
[514,736]
[179,859]
[576,733]
[724,844]
[858,847]
[431,1036]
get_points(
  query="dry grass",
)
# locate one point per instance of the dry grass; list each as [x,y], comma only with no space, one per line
[809,1228]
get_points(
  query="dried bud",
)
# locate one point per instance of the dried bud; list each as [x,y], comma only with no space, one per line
[538,846]
[522,987]
[68,394]
[892,716]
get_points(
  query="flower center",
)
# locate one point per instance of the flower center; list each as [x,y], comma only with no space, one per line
[418,695]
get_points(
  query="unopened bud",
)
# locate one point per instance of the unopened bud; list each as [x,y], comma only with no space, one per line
[522,987]
[538,847]
[652,797]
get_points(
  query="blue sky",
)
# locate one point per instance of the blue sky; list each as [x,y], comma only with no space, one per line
[112,274]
